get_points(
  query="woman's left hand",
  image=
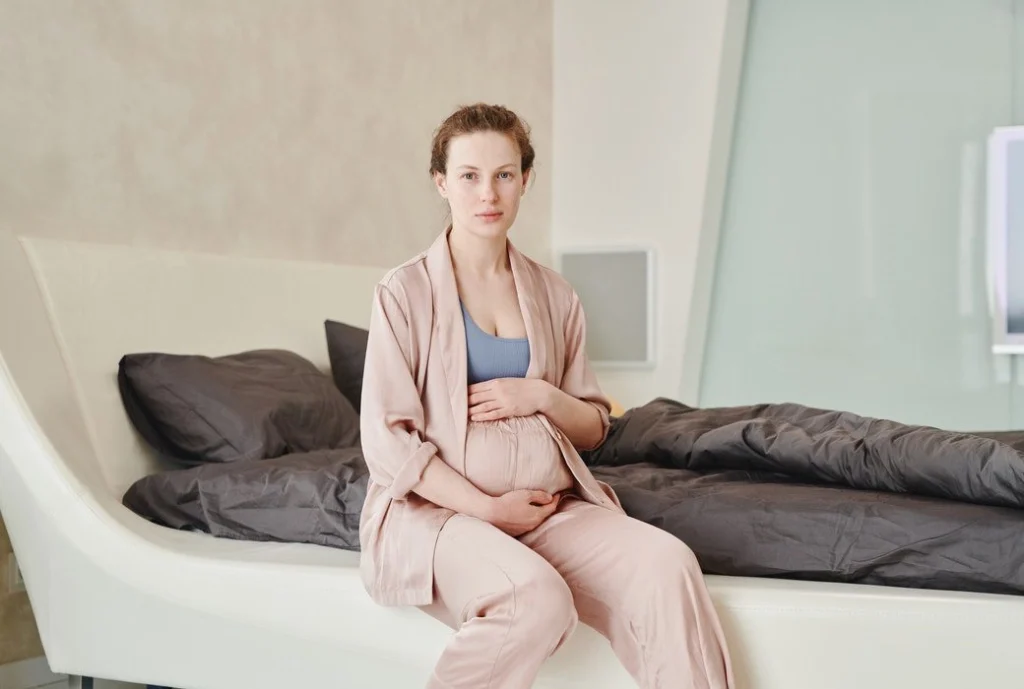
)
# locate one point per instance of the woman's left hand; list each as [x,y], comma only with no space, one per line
[502,398]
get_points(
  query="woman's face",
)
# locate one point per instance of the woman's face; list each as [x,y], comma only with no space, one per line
[483,183]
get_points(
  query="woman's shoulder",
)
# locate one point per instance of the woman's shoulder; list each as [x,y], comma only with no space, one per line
[558,290]
[410,273]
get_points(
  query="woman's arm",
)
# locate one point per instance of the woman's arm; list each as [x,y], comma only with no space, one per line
[392,423]
[391,418]
[443,486]
[515,512]
[580,421]
[577,406]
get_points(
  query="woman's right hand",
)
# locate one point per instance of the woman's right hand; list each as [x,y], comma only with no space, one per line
[521,511]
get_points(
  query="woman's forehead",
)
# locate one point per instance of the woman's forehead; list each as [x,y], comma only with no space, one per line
[483,150]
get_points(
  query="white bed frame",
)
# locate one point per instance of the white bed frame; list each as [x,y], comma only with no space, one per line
[118,598]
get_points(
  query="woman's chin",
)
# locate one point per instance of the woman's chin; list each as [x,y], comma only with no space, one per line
[489,229]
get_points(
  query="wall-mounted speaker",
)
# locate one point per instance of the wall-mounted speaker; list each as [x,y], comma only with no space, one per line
[616,288]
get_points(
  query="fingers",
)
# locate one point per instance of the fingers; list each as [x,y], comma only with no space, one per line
[483,407]
[550,507]
[545,511]
[480,397]
[493,415]
[488,390]
[480,388]
[539,497]
[553,505]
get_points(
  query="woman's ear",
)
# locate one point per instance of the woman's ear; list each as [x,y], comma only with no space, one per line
[526,181]
[442,184]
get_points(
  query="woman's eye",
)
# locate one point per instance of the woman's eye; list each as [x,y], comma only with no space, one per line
[505,175]
[467,175]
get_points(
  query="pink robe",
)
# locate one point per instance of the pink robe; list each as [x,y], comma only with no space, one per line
[414,405]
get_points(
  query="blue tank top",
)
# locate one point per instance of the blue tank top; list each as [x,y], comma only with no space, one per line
[489,356]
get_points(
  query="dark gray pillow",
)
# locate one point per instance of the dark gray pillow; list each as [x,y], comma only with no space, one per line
[313,497]
[346,348]
[252,405]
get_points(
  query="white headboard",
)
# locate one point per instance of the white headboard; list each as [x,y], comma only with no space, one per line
[106,301]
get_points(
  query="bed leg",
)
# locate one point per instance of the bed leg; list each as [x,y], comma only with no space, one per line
[88,682]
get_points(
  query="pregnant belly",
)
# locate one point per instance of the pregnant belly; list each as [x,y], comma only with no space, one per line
[513,454]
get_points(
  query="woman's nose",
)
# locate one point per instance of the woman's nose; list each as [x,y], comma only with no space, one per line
[488,191]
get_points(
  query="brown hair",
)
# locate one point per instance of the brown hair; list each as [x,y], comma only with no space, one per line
[480,117]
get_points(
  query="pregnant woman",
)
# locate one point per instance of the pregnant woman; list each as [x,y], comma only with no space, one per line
[477,395]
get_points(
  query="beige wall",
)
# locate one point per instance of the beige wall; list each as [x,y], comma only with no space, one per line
[258,127]
[644,97]
[255,127]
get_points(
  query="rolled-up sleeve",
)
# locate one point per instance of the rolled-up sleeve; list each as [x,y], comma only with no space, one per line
[579,379]
[391,411]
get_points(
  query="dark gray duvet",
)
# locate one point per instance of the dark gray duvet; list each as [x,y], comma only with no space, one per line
[790,491]
[766,490]
[309,497]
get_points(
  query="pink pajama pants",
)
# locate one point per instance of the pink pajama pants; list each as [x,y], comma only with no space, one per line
[513,602]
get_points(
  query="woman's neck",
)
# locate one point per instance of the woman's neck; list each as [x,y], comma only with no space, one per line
[478,256]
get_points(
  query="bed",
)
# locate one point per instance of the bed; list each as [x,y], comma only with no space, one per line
[118,597]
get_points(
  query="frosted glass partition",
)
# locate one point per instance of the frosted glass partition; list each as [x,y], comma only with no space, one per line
[852,266]
[1017,420]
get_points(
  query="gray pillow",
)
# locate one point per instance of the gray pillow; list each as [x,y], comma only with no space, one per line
[251,405]
[346,348]
[313,497]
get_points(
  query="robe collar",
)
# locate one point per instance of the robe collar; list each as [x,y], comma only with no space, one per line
[451,329]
